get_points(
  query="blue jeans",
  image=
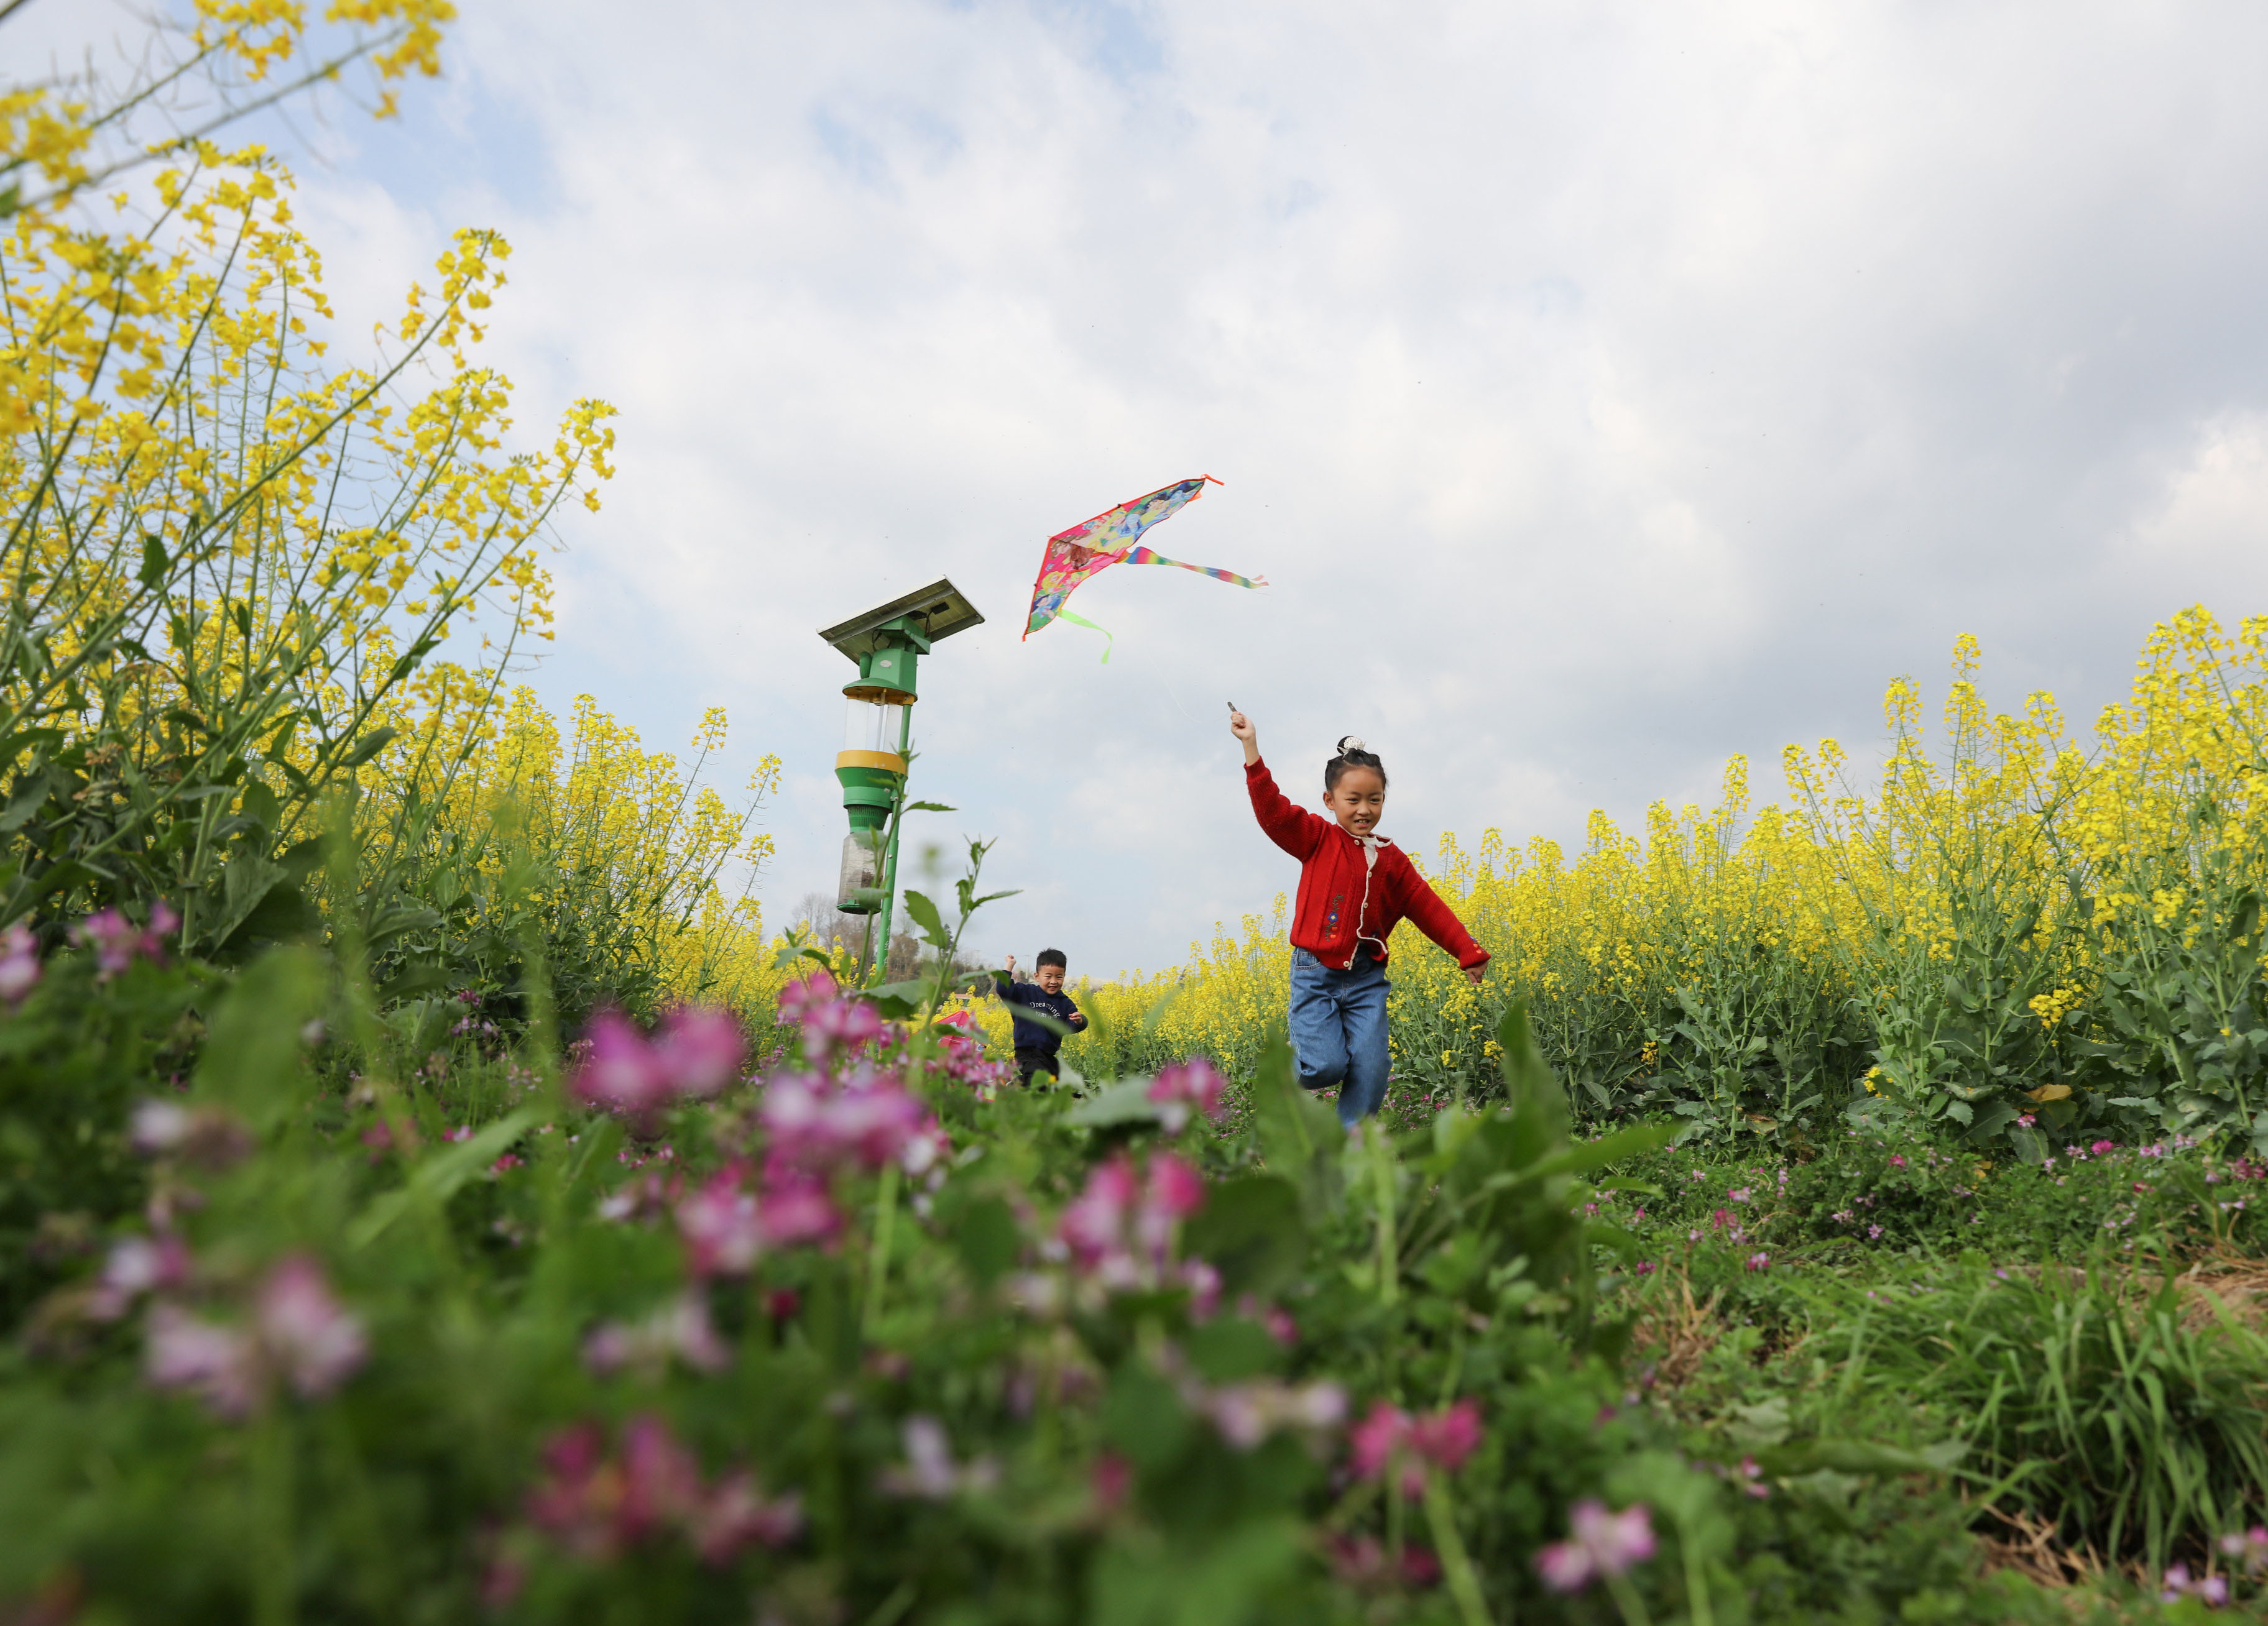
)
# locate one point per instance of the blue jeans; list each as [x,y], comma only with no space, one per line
[1338,1030]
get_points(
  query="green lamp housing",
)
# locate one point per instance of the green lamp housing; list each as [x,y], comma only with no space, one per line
[888,643]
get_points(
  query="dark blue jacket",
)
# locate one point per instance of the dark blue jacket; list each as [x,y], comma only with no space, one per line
[1031,1035]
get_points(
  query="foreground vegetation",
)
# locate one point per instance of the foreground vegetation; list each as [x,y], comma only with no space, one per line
[426,1195]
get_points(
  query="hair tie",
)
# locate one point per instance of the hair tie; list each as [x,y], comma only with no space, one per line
[1350,743]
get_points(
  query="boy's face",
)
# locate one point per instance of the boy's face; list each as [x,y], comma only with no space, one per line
[1358,801]
[1051,979]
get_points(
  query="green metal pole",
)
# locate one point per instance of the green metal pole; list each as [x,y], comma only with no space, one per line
[890,857]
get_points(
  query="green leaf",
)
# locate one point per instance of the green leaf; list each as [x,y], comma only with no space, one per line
[899,1000]
[1127,1102]
[988,1239]
[153,563]
[368,747]
[1250,1230]
[251,1056]
[1300,1136]
[925,915]
[929,807]
[437,1176]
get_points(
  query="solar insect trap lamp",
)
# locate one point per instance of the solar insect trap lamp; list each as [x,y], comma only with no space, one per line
[886,644]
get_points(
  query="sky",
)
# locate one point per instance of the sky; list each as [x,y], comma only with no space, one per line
[1605,389]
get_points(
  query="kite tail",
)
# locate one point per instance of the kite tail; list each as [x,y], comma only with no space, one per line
[1139,554]
[1108,643]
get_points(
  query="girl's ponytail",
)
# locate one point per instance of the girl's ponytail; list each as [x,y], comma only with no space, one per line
[1351,755]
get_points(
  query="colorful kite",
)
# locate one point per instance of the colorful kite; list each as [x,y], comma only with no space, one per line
[1109,539]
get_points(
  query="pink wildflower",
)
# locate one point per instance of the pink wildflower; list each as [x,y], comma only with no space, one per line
[117,942]
[839,1025]
[1759,1262]
[138,1265]
[680,1329]
[19,963]
[1599,1544]
[722,1231]
[211,1136]
[217,1363]
[699,1050]
[2102,1146]
[1187,1088]
[620,1072]
[1390,1435]
[798,999]
[318,1344]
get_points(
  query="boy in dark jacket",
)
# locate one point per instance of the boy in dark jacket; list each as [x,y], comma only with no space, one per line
[1036,1045]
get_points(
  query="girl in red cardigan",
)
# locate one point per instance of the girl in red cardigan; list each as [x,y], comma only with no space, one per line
[1355,886]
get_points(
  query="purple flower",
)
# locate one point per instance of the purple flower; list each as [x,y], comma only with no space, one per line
[19,964]
[1599,1544]
[1759,1262]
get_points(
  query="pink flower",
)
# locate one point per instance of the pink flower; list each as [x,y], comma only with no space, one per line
[870,1120]
[839,1025]
[211,1136]
[2024,1120]
[1390,1435]
[928,1470]
[1110,1479]
[680,1328]
[1897,1162]
[138,1265]
[736,1514]
[1448,1436]
[797,999]
[1120,1229]
[117,942]
[2102,1146]
[19,963]
[620,1071]
[1094,1225]
[1759,1262]
[217,1363]
[1598,1543]
[699,1050]
[794,1209]
[1185,1088]
[317,1343]
[722,1231]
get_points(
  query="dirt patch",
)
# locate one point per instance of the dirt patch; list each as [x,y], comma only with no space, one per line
[1676,1334]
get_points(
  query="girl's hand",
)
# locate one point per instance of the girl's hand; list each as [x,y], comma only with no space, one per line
[1240,725]
[1474,973]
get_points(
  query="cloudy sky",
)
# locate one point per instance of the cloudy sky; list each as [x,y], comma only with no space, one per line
[1606,389]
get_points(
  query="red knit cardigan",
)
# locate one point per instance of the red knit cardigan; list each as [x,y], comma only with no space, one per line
[1332,892]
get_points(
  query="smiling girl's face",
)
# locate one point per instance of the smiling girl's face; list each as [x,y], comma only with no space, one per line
[1357,801]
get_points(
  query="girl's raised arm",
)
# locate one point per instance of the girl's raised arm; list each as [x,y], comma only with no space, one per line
[1240,725]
